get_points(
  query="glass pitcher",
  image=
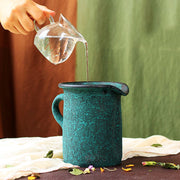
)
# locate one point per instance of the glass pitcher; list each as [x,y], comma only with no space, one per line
[57,40]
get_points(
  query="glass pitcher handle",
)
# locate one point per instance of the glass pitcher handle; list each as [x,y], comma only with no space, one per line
[37,28]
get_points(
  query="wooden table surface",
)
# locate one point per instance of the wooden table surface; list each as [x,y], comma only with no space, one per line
[138,171]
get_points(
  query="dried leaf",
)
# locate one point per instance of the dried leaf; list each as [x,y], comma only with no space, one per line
[49,154]
[156,145]
[169,165]
[164,165]
[110,169]
[76,171]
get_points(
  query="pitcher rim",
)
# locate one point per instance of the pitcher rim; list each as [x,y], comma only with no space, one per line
[101,84]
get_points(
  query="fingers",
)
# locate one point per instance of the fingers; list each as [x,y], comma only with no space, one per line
[12,29]
[39,13]
[14,26]
[20,28]
[26,22]
[19,17]
[46,11]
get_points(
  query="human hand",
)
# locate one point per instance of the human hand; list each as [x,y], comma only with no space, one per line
[17,16]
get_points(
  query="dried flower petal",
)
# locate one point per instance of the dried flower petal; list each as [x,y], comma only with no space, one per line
[149,163]
[130,165]
[110,169]
[102,170]
[35,175]
[31,177]
[87,171]
[126,169]
[91,167]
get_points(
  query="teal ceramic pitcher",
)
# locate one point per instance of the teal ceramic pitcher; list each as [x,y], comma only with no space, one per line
[91,122]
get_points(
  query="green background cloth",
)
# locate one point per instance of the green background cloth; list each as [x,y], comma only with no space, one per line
[136,42]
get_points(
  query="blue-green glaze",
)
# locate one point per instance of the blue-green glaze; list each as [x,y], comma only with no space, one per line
[91,122]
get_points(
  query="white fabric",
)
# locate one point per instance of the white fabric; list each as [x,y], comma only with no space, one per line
[24,156]
[143,147]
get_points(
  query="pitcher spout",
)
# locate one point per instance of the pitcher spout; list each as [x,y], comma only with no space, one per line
[120,88]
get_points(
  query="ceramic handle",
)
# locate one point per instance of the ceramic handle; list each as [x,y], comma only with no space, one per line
[55,109]
[37,28]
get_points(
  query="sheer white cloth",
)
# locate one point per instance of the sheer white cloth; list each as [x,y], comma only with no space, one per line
[24,156]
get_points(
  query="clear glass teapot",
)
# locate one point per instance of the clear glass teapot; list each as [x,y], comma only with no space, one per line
[57,40]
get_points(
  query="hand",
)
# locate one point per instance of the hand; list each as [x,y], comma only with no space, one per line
[17,16]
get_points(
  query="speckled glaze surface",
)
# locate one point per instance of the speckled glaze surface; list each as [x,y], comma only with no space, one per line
[91,122]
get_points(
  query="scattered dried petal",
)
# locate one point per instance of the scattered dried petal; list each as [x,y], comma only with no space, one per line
[87,171]
[110,169]
[126,169]
[102,170]
[31,177]
[36,175]
[149,163]
[130,165]
[91,167]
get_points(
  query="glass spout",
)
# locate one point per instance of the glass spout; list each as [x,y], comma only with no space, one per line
[69,29]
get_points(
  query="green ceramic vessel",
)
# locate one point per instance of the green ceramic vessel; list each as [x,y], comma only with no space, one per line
[91,122]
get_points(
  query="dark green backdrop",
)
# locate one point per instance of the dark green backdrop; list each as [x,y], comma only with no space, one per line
[136,42]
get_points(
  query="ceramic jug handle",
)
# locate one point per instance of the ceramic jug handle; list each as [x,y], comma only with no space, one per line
[55,109]
[37,28]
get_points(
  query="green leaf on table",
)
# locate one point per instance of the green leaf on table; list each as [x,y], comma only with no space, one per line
[169,165]
[156,145]
[162,164]
[49,154]
[76,171]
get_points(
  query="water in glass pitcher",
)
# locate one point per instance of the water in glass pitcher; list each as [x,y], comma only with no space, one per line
[56,50]
[56,41]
